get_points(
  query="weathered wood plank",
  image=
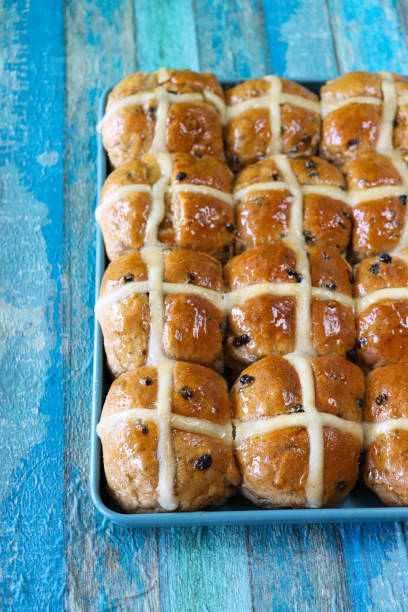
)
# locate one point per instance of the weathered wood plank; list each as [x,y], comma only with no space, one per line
[165,34]
[232,39]
[376,561]
[368,35]
[301,567]
[204,569]
[108,568]
[31,99]
[300,39]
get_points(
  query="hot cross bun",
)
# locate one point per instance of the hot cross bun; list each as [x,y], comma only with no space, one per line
[386,434]
[192,320]
[178,200]
[364,112]
[279,196]
[164,111]
[267,116]
[298,430]
[166,435]
[283,299]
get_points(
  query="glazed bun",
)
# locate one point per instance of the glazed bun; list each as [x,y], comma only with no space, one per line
[191,321]
[364,112]
[166,437]
[298,432]
[265,196]
[378,194]
[282,301]
[176,200]
[381,289]
[267,116]
[164,111]
[386,434]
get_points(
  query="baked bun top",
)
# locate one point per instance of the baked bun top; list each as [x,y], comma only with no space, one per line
[164,111]
[364,112]
[267,116]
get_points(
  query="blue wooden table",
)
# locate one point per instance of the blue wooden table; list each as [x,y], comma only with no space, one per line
[56,552]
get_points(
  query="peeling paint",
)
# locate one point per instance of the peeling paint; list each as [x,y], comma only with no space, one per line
[48,158]
[26,335]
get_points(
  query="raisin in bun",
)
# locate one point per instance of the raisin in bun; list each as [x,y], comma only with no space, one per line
[166,437]
[363,112]
[381,289]
[164,111]
[266,197]
[192,323]
[298,432]
[267,116]
[386,434]
[281,301]
[178,200]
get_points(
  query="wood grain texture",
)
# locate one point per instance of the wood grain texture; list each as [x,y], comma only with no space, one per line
[107,568]
[56,551]
[232,39]
[368,35]
[31,448]
[300,39]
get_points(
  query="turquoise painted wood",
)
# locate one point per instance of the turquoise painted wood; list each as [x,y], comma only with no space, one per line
[56,552]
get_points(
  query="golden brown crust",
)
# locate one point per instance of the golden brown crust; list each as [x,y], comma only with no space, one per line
[387,393]
[193,327]
[248,134]
[377,226]
[190,126]
[192,220]
[382,333]
[267,263]
[275,465]
[130,447]
[371,170]
[185,266]
[351,85]
[339,387]
[385,469]
[266,324]
[382,336]
[208,398]
[381,272]
[378,223]
[275,390]
[264,216]
[352,130]
[195,488]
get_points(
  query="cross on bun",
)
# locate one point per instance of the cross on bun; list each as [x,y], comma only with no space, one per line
[193,320]
[267,116]
[386,434]
[280,303]
[164,111]
[266,202]
[298,431]
[364,112]
[168,448]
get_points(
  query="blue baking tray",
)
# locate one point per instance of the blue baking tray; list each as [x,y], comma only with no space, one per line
[361,505]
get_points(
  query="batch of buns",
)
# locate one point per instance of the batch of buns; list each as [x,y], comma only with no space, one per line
[256,240]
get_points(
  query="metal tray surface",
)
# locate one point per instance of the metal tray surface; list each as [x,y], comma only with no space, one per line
[361,505]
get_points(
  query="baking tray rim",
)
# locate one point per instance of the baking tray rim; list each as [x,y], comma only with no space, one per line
[198,518]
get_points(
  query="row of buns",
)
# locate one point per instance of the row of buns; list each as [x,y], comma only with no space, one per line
[247,276]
